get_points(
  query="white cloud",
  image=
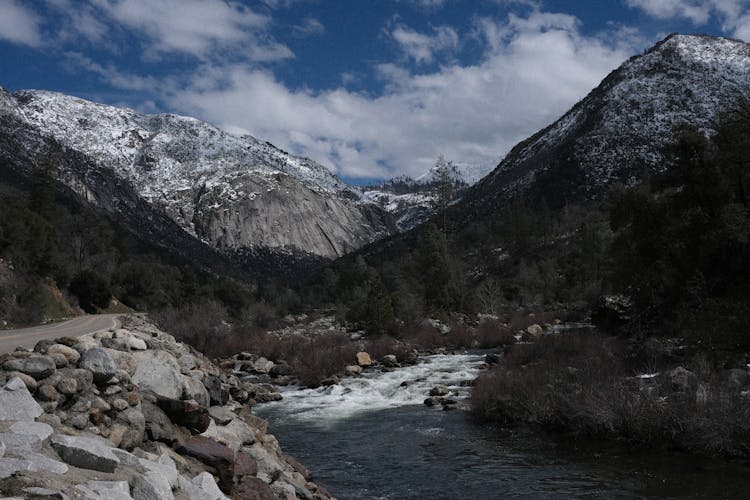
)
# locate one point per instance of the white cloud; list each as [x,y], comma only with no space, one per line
[533,70]
[423,48]
[113,76]
[19,24]
[696,11]
[732,15]
[197,27]
[309,26]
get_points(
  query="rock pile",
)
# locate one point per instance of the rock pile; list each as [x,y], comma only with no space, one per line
[131,413]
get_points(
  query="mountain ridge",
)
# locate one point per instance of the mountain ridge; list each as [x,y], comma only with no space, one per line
[620,127]
[233,193]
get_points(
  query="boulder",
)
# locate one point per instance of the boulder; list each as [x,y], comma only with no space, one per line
[70,354]
[159,372]
[218,392]
[38,367]
[84,344]
[253,488]
[353,370]
[187,362]
[125,361]
[164,466]
[234,435]
[363,359]
[38,429]
[85,452]
[158,425]
[188,414]
[42,463]
[59,360]
[245,465]
[17,403]
[128,429]
[208,488]
[390,361]
[222,415]
[30,382]
[47,392]
[151,486]
[194,389]
[111,490]
[207,450]
[101,365]
[262,365]
[214,454]
[15,443]
[84,379]
[534,330]
[439,390]
[67,386]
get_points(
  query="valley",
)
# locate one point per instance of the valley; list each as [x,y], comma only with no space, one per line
[572,323]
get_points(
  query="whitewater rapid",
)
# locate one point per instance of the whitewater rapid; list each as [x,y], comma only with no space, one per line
[377,390]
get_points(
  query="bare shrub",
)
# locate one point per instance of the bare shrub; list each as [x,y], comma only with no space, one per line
[201,325]
[384,345]
[494,333]
[426,338]
[579,383]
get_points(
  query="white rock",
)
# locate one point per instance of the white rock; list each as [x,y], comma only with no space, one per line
[38,429]
[17,403]
[106,490]
[206,483]
[158,371]
[151,486]
[234,435]
[165,467]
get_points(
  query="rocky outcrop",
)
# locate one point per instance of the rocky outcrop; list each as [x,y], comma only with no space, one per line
[232,192]
[99,420]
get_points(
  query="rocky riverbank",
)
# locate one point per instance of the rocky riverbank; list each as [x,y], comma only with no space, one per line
[132,413]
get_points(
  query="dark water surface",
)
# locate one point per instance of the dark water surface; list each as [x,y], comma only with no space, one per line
[408,451]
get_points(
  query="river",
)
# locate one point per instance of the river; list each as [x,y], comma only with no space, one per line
[372,438]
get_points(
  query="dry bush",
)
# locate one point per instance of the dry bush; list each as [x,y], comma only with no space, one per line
[426,338]
[520,320]
[201,325]
[383,345]
[494,333]
[461,337]
[578,383]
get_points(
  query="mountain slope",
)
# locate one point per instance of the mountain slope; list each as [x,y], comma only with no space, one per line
[620,129]
[236,194]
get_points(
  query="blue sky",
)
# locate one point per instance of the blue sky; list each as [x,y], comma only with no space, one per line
[371,89]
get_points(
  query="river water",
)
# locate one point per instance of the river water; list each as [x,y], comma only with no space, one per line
[372,438]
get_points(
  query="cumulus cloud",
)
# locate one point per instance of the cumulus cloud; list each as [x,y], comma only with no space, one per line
[19,24]
[197,27]
[423,48]
[533,70]
[732,15]
[696,11]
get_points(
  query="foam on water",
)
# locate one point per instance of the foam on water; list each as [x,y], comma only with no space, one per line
[376,390]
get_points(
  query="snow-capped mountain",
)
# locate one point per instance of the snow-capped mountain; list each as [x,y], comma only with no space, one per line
[234,193]
[620,129]
[412,201]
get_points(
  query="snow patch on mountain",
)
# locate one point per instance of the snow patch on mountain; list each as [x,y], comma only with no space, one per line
[230,191]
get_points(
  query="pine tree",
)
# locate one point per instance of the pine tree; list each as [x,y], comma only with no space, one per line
[442,190]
